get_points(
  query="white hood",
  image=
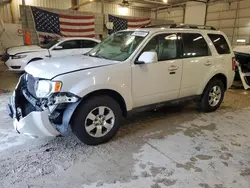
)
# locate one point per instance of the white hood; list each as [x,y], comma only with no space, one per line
[24,49]
[49,68]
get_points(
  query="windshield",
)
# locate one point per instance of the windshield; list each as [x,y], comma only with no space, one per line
[50,44]
[118,46]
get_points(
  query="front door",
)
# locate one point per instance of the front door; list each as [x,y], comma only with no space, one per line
[159,81]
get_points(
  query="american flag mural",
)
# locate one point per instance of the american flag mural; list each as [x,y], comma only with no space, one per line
[49,24]
[123,23]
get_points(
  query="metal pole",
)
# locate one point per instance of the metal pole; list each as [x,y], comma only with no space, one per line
[74,3]
[235,21]
[25,14]
[205,20]
[104,31]
[184,13]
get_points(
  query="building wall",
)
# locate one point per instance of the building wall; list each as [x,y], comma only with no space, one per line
[231,18]
[114,10]
[100,20]
[174,14]
[195,13]
[58,4]
[5,13]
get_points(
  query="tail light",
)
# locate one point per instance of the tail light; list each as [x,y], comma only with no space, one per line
[233,63]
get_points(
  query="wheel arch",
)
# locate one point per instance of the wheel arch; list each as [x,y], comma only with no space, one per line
[72,110]
[111,93]
[219,76]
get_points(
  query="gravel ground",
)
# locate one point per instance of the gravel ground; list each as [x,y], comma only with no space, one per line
[171,147]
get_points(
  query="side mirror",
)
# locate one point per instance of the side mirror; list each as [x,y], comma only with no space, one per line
[147,57]
[58,48]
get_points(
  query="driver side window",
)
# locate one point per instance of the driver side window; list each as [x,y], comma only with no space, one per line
[152,46]
[165,45]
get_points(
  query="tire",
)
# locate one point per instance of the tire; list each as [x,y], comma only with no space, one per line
[203,104]
[83,119]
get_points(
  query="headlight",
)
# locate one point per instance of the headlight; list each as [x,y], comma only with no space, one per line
[45,88]
[19,56]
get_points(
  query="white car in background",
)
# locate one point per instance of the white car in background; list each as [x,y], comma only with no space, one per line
[16,58]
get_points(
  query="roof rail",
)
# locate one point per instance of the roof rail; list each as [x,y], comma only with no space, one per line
[187,26]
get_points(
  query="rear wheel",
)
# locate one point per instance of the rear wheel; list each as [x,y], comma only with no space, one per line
[97,120]
[212,96]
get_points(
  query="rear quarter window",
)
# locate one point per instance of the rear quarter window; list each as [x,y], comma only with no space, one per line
[220,43]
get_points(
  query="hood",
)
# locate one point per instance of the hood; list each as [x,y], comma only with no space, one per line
[242,49]
[50,68]
[24,49]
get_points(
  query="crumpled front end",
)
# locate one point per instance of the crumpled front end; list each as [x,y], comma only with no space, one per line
[40,117]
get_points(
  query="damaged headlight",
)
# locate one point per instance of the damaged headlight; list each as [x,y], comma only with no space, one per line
[19,56]
[46,87]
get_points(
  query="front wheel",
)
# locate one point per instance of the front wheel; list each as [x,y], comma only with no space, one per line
[97,120]
[212,96]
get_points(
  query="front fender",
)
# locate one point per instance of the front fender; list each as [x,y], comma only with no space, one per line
[124,92]
[82,83]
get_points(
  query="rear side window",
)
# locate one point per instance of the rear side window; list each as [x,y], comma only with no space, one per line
[88,43]
[71,44]
[220,43]
[194,45]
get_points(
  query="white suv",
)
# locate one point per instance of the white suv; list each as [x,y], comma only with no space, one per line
[130,69]
[16,58]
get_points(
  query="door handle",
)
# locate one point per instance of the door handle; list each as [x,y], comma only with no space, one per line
[172,68]
[208,63]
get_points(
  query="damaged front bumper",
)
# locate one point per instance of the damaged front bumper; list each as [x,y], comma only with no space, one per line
[36,120]
[36,124]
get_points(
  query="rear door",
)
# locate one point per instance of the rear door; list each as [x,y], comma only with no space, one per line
[69,47]
[87,45]
[197,62]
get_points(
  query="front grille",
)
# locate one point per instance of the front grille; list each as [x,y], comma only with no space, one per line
[5,57]
[31,84]
[15,67]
